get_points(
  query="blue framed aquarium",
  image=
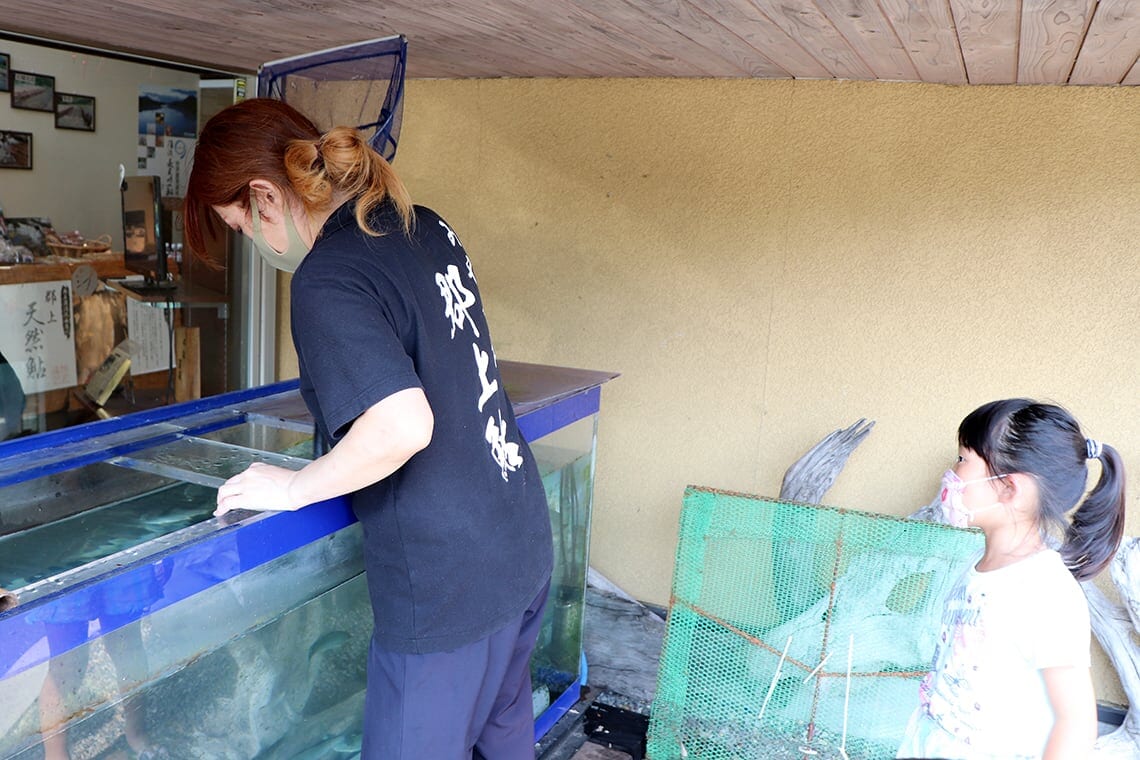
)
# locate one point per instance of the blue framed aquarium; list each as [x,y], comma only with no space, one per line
[130,617]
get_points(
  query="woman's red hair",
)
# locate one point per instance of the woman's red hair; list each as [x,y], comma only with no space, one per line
[243,142]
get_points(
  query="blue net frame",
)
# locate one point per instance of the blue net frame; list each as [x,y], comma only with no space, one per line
[310,81]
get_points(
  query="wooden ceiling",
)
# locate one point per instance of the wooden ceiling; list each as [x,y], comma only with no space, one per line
[1077,42]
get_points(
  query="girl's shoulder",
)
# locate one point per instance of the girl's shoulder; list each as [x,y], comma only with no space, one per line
[1039,574]
[1045,566]
[1046,578]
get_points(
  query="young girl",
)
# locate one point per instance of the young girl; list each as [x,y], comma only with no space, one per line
[1010,677]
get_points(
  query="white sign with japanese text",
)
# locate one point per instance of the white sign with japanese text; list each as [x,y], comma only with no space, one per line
[149,329]
[37,334]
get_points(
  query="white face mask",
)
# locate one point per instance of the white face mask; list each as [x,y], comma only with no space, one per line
[287,260]
[952,489]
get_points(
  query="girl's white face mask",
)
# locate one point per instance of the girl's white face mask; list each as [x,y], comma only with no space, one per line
[952,489]
[287,260]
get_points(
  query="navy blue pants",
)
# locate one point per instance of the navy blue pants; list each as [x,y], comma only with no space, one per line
[473,702]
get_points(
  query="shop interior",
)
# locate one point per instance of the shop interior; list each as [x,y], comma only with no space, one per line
[93,223]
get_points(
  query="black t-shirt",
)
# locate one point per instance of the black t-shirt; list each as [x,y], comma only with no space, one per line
[457,541]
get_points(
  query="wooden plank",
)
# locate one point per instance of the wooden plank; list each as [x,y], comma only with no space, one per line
[871,36]
[706,46]
[592,44]
[221,46]
[950,41]
[927,31]
[765,36]
[805,24]
[51,268]
[508,40]
[747,22]
[988,31]
[1051,35]
[1112,44]
[1133,77]
[669,55]
[188,372]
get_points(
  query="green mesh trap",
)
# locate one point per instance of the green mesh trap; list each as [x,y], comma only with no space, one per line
[797,631]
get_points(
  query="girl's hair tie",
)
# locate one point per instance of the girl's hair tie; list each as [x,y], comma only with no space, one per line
[1092,449]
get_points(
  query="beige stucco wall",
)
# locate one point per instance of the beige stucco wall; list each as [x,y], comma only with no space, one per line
[767,261]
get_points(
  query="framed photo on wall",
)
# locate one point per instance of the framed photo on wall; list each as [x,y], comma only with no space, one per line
[74,111]
[15,150]
[5,71]
[33,92]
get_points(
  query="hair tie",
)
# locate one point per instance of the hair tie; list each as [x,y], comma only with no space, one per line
[319,161]
[1093,449]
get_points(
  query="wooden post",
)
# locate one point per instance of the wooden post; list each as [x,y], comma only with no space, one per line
[188,375]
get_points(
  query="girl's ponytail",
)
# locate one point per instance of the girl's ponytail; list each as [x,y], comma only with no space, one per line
[1095,530]
[342,161]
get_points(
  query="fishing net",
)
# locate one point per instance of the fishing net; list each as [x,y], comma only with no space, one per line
[359,85]
[797,631]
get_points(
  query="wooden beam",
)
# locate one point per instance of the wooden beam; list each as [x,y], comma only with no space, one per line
[1051,35]
[988,33]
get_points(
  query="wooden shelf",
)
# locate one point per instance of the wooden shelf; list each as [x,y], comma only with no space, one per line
[49,268]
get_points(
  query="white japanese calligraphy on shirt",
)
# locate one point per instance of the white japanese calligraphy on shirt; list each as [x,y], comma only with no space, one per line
[483,360]
[457,299]
[457,303]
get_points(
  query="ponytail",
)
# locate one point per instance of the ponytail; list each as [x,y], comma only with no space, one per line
[342,162]
[1095,530]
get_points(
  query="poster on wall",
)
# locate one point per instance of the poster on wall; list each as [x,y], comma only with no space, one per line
[40,344]
[168,130]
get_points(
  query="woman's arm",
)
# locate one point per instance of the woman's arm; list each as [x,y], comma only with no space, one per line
[379,442]
[1071,695]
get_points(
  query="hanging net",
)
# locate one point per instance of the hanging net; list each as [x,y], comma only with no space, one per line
[797,631]
[360,85]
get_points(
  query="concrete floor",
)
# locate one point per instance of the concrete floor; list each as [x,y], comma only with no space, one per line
[591,751]
[622,641]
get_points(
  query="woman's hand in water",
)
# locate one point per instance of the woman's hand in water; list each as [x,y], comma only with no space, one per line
[262,487]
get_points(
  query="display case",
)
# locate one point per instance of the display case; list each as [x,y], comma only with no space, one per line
[140,620]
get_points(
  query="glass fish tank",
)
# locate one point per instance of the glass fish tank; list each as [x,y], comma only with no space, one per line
[133,621]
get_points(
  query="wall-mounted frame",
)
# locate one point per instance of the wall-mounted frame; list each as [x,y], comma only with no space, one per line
[15,149]
[74,111]
[5,71]
[33,92]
